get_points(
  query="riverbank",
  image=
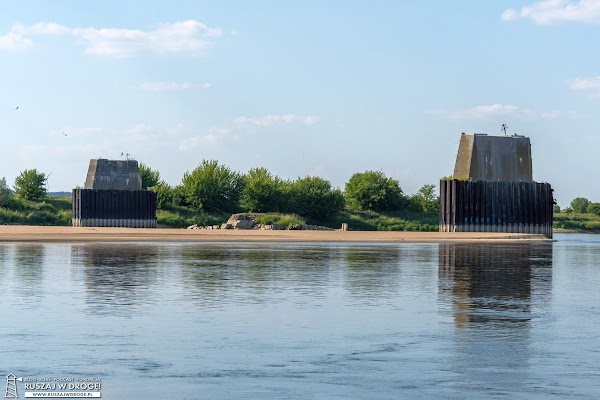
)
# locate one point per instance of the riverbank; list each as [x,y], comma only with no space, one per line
[67,234]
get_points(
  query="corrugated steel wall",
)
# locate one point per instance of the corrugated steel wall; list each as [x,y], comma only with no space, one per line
[116,208]
[479,206]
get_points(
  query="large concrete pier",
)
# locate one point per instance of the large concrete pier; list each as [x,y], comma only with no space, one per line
[113,197]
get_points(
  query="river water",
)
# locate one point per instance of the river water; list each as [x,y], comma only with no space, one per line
[307,321]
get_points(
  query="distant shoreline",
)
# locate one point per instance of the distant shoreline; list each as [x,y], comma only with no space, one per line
[67,234]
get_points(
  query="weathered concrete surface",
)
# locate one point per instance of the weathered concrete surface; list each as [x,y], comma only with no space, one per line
[106,174]
[493,158]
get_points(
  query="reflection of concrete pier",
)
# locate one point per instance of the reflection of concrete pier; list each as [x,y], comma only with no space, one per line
[494,283]
[113,197]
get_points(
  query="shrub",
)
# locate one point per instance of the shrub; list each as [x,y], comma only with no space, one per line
[212,187]
[4,192]
[372,190]
[30,185]
[262,192]
[313,197]
[150,177]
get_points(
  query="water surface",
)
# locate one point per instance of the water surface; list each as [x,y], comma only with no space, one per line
[298,321]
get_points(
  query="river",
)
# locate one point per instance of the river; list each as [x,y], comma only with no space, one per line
[307,321]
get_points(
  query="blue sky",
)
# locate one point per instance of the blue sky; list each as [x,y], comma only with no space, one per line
[301,88]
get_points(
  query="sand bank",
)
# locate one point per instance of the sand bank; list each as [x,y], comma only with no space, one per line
[66,234]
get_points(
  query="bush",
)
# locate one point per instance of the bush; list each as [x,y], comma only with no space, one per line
[150,177]
[30,185]
[164,194]
[372,190]
[580,204]
[286,220]
[594,208]
[313,197]
[262,192]
[4,192]
[213,187]
[426,199]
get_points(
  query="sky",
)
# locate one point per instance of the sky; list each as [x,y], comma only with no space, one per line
[326,88]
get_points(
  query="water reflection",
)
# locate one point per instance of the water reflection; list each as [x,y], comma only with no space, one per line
[215,275]
[29,267]
[493,284]
[493,292]
[116,276]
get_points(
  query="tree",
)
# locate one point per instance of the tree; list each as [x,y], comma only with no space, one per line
[164,194]
[313,197]
[263,192]
[372,190]
[150,177]
[30,185]
[580,204]
[4,192]
[556,208]
[213,187]
[594,208]
[427,199]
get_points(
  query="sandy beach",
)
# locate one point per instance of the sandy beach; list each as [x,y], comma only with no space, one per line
[67,234]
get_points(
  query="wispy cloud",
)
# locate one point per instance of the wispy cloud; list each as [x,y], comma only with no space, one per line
[168,38]
[585,83]
[269,120]
[244,124]
[161,86]
[500,110]
[549,11]
[14,41]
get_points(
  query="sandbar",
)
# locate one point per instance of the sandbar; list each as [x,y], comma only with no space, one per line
[67,234]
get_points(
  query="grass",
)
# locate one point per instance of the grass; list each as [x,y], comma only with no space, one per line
[384,221]
[182,217]
[285,220]
[50,211]
[577,221]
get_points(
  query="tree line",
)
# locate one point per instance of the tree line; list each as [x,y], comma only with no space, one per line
[214,187]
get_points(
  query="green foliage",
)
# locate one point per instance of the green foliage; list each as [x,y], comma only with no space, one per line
[30,185]
[594,208]
[182,217]
[372,190]
[213,187]
[51,211]
[4,192]
[556,208]
[580,204]
[402,220]
[150,177]
[263,192]
[447,178]
[313,197]
[164,194]
[427,199]
[286,220]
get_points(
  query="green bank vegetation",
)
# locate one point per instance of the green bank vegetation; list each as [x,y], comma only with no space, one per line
[581,215]
[211,192]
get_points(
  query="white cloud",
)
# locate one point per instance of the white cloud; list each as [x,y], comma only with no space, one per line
[585,83]
[160,86]
[241,125]
[550,11]
[14,41]
[269,120]
[501,110]
[213,136]
[180,37]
